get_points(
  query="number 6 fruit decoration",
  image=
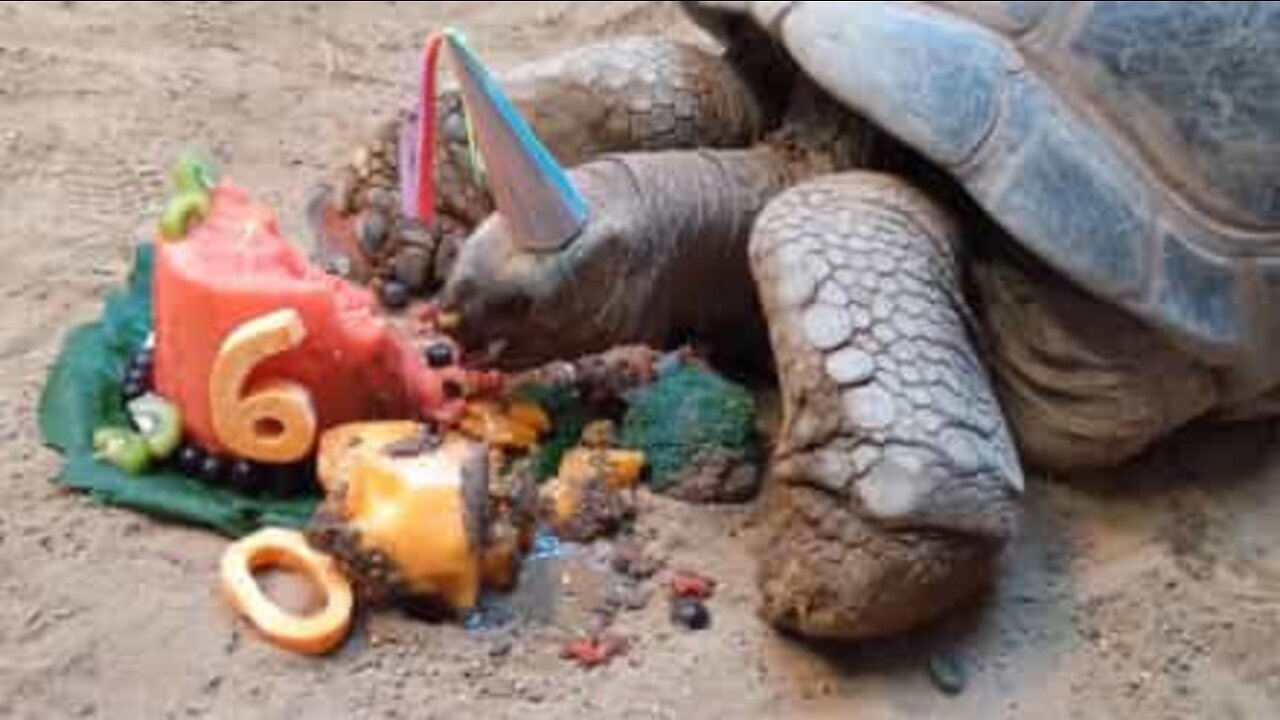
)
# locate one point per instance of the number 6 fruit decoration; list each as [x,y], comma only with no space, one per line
[275,423]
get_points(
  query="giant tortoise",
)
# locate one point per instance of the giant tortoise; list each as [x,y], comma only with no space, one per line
[978,237]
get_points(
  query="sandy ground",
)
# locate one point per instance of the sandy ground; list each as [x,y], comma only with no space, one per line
[1154,595]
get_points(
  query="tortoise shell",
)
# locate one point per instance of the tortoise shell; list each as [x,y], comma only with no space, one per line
[1132,146]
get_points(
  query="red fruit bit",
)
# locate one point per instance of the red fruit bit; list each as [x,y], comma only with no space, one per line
[689,584]
[595,651]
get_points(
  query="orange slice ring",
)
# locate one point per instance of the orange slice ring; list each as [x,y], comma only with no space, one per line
[314,634]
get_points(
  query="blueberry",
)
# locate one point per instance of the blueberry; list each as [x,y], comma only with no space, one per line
[144,359]
[394,294]
[439,354]
[242,477]
[190,460]
[690,613]
[137,377]
[211,469]
[133,390]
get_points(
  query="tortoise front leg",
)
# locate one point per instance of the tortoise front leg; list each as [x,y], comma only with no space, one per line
[642,93]
[895,480]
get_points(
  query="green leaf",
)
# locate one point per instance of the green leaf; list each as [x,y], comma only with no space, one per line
[686,411]
[169,496]
[82,394]
[82,391]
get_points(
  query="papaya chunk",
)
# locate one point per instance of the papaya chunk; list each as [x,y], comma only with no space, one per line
[314,634]
[415,502]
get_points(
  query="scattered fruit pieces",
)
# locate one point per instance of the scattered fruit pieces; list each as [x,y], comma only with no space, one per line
[440,354]
[342,446]
[518,426]
[122,448]
[313,634]
[586,500]
[596,650]
[689,584]
[620,469]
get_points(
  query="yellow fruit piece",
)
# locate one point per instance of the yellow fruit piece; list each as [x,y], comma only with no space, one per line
[276,423]
[530,415]
[341,445]
[420,503]
[313,634]
[620,469]
[565,494]
[517,427]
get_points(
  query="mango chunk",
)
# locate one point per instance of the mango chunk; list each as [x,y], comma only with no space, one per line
[586,499]
[518,426]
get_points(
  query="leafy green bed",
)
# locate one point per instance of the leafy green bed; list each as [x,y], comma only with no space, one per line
[82,393]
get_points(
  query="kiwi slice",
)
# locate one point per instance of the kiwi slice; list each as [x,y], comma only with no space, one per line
[181,211]
[159,422]
[123,448]
[194,174]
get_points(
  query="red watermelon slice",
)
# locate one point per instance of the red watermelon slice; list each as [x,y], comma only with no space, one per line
[233,267]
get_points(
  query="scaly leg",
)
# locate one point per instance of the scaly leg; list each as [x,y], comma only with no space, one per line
[895,480]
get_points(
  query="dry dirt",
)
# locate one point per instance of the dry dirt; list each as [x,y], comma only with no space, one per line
[1156,598]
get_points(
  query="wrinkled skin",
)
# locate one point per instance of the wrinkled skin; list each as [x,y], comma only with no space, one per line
[658,223]
[916,377]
